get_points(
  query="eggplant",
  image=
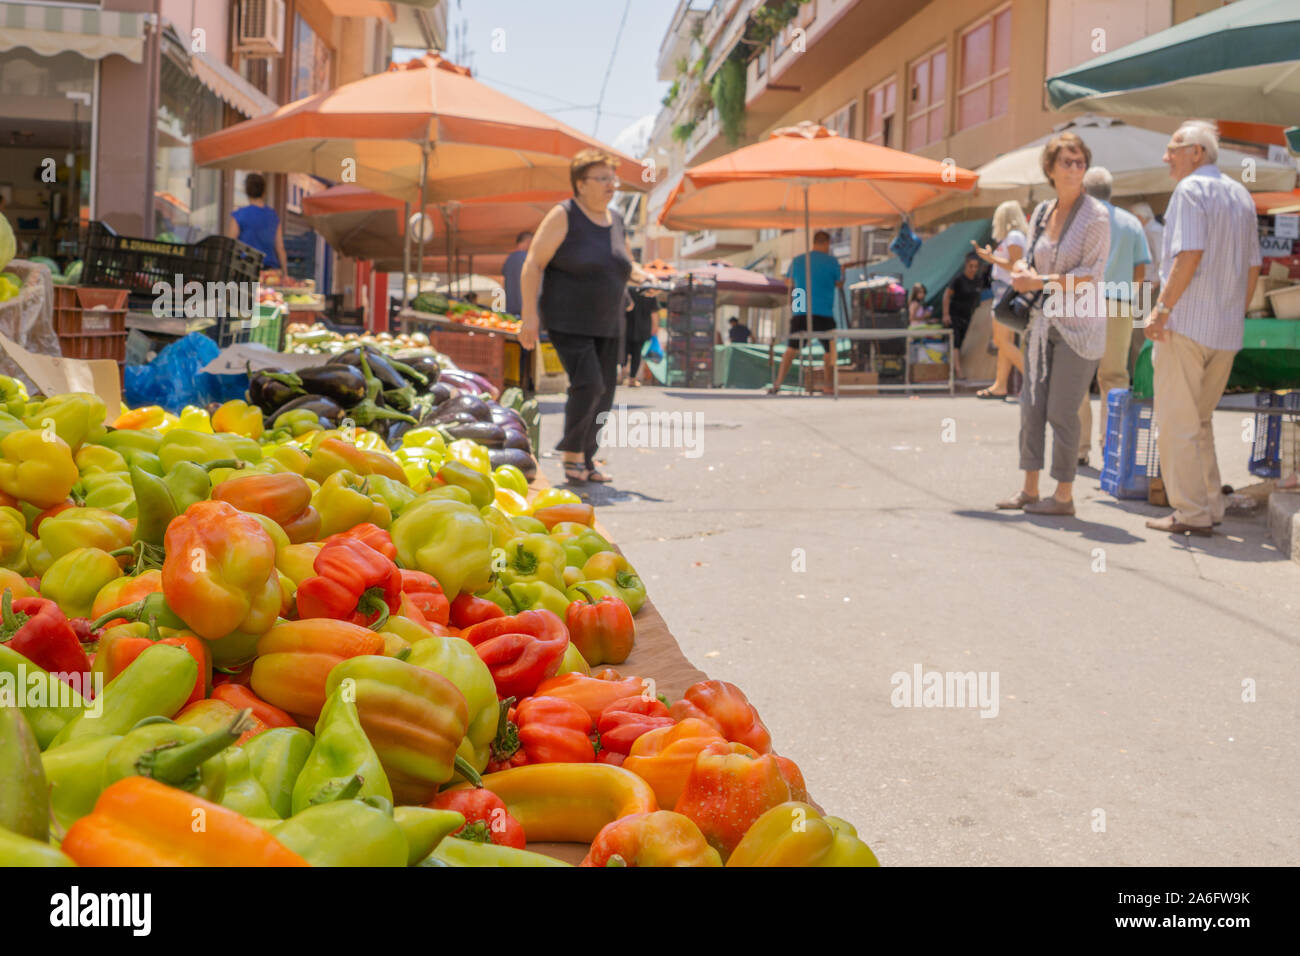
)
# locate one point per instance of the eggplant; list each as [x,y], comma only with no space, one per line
[428,366]
[326,408]
[392,435]
[516,439]
[485,433]
[268,389]
[467,403]
[341,383]
[380,367]
[505,416]
[441,392]
[470,381]
[450,418]
[514,456]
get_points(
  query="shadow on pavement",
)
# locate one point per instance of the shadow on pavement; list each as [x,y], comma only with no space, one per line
[1091,530]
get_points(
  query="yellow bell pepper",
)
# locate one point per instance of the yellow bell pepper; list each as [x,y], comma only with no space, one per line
[147,416]
[99,459]
[239,417]
[425,438]
[503,529]
[76,417]
[169,422]
[288,455]
[343,503]
[471,454]
[36,470]
[795,834]
[14,540]
[297,560]
[195,419]
[511,502]
[553,496]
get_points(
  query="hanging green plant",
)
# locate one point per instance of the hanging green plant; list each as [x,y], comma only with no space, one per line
[697,68]
[767,21]
[671,96]
[682,131]
[728,93]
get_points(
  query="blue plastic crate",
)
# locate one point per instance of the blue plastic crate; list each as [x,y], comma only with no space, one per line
[1266,452]
[1131,459]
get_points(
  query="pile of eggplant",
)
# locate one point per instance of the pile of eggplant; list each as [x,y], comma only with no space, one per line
[390,397]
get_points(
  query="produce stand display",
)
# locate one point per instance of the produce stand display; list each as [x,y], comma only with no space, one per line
[322,622]
[474,349]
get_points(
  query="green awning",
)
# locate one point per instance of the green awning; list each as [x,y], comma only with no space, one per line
[1269,358]
[940,258]
[1240,62]
[89,31]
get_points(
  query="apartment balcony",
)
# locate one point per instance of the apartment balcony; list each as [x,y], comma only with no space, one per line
[677,40]
[712,243]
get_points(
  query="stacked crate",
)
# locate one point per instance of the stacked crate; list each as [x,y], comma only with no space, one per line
[692,304]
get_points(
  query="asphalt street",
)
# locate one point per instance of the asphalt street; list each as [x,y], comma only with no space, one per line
[1140,704]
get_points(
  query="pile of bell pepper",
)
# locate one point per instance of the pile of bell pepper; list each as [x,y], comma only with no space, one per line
[343,655]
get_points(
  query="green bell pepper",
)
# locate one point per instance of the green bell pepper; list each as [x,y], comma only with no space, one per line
[75,528]
[499,598]
[613,567]
[13,396]
[533,558]
[181,444]
[344,833]
[424,828]
[341,752]
[24,797]
[157,683]
[14,540]
[481,490]
[534,595]
[455,659]
[73,580]
[447,539]
[77,417]
[276,758]
[457,852]
[503,530]
[18,850]
[391,492]
[76,773]
[243,792]
[528,524]
[99,459]
[178,755]
[109,491]
[139,439]
[509,476]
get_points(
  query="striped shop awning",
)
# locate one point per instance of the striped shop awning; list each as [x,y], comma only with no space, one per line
[93,33]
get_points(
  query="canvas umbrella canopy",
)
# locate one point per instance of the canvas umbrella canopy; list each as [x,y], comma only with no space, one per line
[1131,153]
[743,287]
[1240,62]
[423,131]
[1271,204]
[805,172]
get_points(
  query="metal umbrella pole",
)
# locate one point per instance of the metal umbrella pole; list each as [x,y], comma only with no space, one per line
[807,282]
[406,253]
[424,181]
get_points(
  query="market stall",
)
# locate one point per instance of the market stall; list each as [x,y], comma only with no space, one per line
[343,645]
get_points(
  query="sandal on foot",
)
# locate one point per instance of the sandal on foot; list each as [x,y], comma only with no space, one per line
[598,477]
[1017,502]
[576,473]
[989,393]
[1050,506]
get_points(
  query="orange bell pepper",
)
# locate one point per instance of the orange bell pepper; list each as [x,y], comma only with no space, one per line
[119,647]
[141,822]
[123,591]
[555,514]
[661,838]
[332,455]
[726,707]
[219,574]
[729,787]
[554,730]
[592,694]
[240,697]
[294,661]
[285,498]
[664,757]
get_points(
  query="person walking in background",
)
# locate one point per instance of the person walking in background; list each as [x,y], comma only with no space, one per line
[511,272]
[1125,272]
[1154,230]
[1010,232]
[1067,333]
[574,282]
[737,333]
[640,326]
[827,276]
[1209,266]
[960,300]
[258,226]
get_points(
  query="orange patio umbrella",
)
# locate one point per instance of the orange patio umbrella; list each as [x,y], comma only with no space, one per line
[1270,204]
[807,172]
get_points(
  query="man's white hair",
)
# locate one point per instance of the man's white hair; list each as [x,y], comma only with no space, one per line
[1203,134]
[1143,211]
[1098,183]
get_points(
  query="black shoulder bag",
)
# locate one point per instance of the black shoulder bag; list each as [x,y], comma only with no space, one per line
[1015,309]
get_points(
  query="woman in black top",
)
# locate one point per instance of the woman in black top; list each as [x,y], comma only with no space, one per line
[640,326]
[960,300]
[579,259]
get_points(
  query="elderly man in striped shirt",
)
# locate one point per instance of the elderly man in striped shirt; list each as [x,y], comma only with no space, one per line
[1209,265]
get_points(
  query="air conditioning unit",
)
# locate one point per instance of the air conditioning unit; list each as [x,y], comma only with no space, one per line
[261,28]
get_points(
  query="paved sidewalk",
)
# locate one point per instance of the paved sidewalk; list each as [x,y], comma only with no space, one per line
[816,548]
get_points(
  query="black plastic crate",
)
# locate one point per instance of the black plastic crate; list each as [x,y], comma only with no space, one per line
[699,378]
[125,262]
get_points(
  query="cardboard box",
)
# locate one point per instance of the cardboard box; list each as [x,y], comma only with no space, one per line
[930,372]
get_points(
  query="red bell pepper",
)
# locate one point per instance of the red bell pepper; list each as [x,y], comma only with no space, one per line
[725,707]
[426,593]
[602,631]
[468,610]
[554,730]
[623,721]
[520,651]
[370,534]
[486,818]
[119,647]
[38,630]
[591,693]
[353,582]
[240,697]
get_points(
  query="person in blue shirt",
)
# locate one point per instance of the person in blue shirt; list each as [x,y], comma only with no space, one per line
[827,276]
[258,226]
[1127,301]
